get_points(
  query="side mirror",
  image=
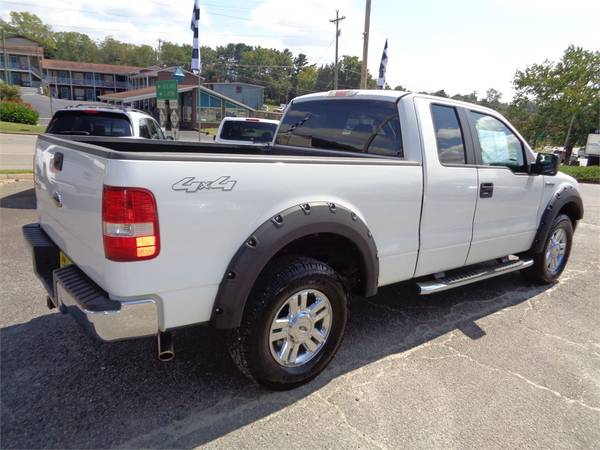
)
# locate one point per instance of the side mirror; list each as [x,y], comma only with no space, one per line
[546,164]
[170,138]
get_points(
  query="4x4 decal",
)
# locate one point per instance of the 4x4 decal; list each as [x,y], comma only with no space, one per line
[190,184]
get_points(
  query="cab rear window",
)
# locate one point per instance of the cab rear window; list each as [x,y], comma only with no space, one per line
[236,130]
[90,123]
[355,125]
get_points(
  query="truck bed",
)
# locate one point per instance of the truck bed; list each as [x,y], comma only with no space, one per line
[107,146]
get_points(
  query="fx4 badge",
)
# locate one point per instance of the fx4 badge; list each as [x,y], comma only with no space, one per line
[190,184]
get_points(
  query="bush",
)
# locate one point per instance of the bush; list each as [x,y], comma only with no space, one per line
[18,113]
[9,92]
[589,174]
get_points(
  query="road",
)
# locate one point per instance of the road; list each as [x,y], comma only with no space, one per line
[41,103]
[16,151]
[501,364]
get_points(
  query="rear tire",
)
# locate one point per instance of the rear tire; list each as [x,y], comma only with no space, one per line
[550,263]
[307,298]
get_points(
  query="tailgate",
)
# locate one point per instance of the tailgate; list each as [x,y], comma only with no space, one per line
[68,187]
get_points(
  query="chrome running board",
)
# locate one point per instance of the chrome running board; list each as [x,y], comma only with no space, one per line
[471,275]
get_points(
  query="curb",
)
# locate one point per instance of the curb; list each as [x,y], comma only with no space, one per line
[16,176]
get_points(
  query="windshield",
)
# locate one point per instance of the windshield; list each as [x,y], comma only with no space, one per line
[234,130]
[90,123]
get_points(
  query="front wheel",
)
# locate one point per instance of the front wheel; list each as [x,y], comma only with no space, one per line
[550,263]
[293,324]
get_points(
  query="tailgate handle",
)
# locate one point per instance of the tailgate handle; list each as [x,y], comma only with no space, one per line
[57,161]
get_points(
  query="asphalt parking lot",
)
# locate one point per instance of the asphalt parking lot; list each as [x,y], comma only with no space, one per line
[496,365]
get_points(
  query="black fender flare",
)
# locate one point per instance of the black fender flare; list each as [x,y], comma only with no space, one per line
[273,235]
[567,194]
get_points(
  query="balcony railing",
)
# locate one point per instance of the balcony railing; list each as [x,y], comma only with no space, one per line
[87,82]
[20,66]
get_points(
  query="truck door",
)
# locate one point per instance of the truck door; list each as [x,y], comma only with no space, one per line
[508,197]
[450,187]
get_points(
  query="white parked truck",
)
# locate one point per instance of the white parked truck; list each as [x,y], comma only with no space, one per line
[246,130]
[592,149]
[358,190]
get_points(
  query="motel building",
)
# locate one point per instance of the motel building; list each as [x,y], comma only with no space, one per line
[213,106]
[22,63]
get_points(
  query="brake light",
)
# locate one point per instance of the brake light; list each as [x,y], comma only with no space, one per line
[129,224]
[252,120]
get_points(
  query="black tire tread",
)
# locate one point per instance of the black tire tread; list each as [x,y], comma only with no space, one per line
[537,273]
[276,276]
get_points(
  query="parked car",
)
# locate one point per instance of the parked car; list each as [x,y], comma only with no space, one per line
[104,120]
[360,189]
[246,130]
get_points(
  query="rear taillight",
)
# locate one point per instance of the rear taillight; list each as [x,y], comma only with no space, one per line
[129,224]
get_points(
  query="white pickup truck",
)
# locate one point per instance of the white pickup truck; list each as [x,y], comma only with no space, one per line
[360,189]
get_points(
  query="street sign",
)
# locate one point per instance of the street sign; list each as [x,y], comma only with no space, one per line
[166,90]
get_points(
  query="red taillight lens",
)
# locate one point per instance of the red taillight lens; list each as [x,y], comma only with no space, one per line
[129,224]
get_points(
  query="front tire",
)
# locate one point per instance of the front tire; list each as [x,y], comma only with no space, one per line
[293,324]
[550,263]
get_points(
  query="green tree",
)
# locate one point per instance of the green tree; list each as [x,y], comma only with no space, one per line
[31,26]
[141,55]
[471,98]
[270,68]
[300,62]
[558,102]
[75,47]
[307,80]
[175,55]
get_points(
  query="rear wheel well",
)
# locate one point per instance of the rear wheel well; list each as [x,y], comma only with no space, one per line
[337,251]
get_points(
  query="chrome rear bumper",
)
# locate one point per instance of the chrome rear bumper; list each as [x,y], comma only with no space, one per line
[74,292]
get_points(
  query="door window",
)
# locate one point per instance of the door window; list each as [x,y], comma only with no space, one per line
[448,134]
[498,144]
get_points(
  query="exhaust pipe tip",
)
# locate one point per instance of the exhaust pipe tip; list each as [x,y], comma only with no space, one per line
[166,352]
[166,355]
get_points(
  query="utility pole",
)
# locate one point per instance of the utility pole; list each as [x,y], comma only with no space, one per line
[337,35]
[363,72]
[5,59]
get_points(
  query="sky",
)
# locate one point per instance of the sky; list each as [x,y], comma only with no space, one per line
[459,46]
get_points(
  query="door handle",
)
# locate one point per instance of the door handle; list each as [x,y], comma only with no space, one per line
[56,163]
[58,200]
[486,190]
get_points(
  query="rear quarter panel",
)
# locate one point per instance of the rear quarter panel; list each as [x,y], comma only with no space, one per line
[201,231]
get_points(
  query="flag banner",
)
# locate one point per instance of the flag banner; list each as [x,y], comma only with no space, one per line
[383,66]
[196,45]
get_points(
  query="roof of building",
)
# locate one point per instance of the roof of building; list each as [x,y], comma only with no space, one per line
[234,83]
[146,93]
[59,64]
[35,49]
[153,71]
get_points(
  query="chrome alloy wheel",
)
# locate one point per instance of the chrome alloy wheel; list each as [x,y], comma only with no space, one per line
[555,252]
[300,328]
